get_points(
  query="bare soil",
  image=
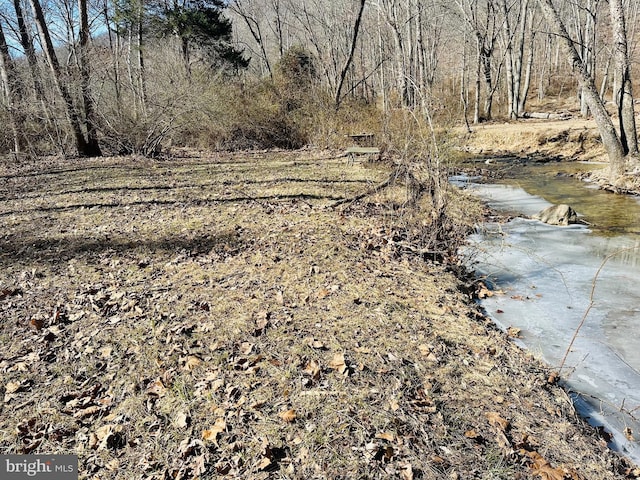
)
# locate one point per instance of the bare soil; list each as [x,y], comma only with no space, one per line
[220,317]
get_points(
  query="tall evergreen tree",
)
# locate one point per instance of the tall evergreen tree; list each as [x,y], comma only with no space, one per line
[201,26]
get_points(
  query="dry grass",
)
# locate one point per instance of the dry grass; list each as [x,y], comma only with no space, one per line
[575,139]
[215,317]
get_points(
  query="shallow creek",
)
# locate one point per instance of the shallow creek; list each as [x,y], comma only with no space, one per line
[551,282]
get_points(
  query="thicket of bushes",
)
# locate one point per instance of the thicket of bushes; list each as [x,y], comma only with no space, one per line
[204,110]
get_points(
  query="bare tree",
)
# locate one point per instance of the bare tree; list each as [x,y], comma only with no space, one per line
[347,63]
[26,43]
[624,94]
[482,20]
[7,75]
[240,8]
[610,138]
[56,73]
[92,146]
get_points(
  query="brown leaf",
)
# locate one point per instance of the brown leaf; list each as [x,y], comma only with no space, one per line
[628,433]
[323,293]
[288,416]
[543,468]
[497,421]
[338,363]
[264,463]
[513,332]
[87,412]
[12,387]
[191,363]
[472,434]
[37,323]
[406,472]
[312,368]
[212,433]
[390,437]
[553,378]
[157,388]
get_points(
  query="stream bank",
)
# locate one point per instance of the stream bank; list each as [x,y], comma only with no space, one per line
[567,292]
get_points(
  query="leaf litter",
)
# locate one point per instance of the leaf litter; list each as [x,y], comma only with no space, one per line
[219,317]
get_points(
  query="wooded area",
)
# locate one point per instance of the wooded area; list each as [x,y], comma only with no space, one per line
[123,76]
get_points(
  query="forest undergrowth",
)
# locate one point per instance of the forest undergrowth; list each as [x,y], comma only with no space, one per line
[235,316]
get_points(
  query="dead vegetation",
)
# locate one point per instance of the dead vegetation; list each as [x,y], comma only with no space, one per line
[223,317]
[574,139]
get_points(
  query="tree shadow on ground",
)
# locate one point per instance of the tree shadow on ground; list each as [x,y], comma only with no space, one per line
[15,250]
[192,202]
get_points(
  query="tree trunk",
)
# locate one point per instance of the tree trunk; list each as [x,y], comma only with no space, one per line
[93,147]
[7,74]
[478,82]
[30,53]
[142,74]
[54,65]
[624,95]
[527,73]
[256,31]
[610,138]
[347,63]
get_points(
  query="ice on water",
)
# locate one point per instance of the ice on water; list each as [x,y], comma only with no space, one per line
[553,278]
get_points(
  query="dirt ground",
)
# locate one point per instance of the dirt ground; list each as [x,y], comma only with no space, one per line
[219,316]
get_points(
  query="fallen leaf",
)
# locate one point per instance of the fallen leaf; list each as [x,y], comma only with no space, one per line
[12,387]
[264,463]
[628,433]
[323,293]
[390,437]
[37,323]
[338,363]
[497,421]
[288,416]
[182,420]
[246,348]
[212,433]
[394,405]
[157,388]
[543,468]
[406,472]
[312,368]
[513,332]
[191,363]
[472,434]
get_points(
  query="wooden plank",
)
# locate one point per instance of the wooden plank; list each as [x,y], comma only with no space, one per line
[362,150]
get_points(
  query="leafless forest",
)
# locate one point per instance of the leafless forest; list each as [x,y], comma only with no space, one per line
[92,77]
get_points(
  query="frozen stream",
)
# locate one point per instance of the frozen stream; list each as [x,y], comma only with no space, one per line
[549,279]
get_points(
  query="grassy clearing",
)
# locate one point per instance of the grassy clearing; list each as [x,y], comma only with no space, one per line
[216,316]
